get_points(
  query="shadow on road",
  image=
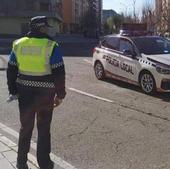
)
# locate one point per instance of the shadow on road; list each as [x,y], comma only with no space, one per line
[163,96]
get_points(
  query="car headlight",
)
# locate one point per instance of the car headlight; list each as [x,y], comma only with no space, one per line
[162,70]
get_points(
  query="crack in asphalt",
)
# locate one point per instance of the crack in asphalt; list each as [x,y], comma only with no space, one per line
[143,123]
[117,145]
[158,126]
[104,132]
[139,110]
[165,107]
[130,165]
[85,129]
[143,112]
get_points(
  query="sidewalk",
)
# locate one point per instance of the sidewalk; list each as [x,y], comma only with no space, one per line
[8,155]
[3,62]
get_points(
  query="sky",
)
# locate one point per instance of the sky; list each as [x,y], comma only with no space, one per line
[124,5]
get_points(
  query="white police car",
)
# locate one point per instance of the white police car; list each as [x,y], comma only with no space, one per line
[140,60]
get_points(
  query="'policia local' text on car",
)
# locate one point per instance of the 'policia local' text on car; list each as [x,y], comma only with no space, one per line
[138,59]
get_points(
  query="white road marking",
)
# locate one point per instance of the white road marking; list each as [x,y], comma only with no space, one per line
[91,95]
[7,141]
[60,162]
[88,61]
[14,147]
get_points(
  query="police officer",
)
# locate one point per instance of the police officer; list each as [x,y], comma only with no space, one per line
[36,75]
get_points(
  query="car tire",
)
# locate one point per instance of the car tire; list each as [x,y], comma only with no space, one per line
[99,70]
[147,83]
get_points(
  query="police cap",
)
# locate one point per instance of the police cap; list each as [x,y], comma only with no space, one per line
[39,21]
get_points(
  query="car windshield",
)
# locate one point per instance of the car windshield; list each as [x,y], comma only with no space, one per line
[152,45]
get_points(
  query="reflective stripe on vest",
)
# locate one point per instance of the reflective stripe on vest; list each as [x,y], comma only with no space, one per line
[33,55]
[30,83]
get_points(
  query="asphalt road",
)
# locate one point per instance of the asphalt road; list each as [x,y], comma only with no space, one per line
[127,130]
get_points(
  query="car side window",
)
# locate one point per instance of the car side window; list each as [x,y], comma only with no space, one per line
[125,45]
[111,43]
[103,43]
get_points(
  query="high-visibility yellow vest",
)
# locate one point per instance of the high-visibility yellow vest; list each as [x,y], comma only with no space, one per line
[33,55]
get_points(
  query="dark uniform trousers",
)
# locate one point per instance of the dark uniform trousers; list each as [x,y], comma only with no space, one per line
[35,102]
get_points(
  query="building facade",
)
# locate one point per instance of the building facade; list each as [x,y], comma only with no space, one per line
[75,10]
[15,15]
[99,7]
[162,12]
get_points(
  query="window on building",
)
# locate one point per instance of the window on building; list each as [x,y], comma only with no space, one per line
[3,6]
[29,4]
[44,6]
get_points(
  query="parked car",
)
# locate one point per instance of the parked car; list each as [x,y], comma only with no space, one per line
[137,59]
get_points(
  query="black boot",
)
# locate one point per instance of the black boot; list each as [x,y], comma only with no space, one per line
[50,166]
[22,166]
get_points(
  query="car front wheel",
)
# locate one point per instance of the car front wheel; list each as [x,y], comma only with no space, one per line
[99,71]
[147,83]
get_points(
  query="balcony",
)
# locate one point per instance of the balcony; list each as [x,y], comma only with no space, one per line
[31,13]
[33,9]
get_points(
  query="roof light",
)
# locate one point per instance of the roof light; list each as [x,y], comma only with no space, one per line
[133,29]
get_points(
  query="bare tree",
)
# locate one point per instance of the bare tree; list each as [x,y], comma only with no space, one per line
[90,22]
[128,18]
[147,12]
[131,17]
[162,17]
[148,16]
[134,9]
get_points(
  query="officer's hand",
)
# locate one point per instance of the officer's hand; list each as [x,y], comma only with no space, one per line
[61,94]
[11,98]
[57,101]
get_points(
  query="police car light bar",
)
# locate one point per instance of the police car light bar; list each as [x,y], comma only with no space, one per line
[133,29]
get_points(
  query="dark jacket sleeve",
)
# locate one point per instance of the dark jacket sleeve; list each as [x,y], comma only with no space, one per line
[58,72]
[12,72]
